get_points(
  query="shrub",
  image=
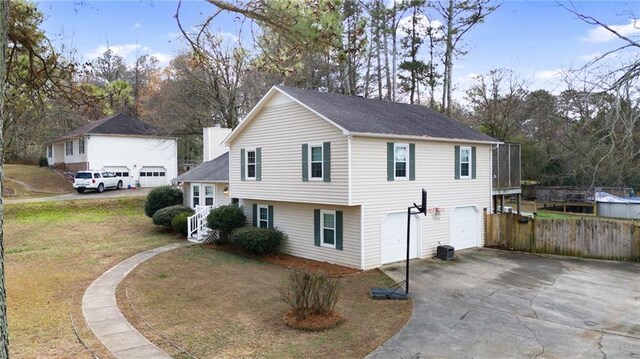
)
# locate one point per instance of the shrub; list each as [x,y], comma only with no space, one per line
[259,241]
[161,197]
[179,222]
[227,218]
[42,162]
[165,216]
[310,293]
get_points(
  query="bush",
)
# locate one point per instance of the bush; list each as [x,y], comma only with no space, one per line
[42,162]
[161,197]
[310,293]
[179,222]
[227,218]
[165,216]
[259,241]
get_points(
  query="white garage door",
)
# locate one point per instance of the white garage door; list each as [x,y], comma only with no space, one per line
[464,228]
[120,171]
[394,237]
[153,176]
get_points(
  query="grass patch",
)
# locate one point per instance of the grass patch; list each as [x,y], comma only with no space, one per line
[53,251]
[218,304]
[544,214]
[41,181]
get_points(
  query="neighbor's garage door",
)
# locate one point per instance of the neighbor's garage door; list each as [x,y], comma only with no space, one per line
[120,171]
[394,238]
[153,176]
[465,231]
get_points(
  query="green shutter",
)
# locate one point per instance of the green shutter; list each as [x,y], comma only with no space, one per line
[412,162]
[316,227]
[457,162]
[305,162]
[473,162]
[326,161]
[258,164]
[390,169]
[242,165]
[339,230]
[270,216]
[255,215]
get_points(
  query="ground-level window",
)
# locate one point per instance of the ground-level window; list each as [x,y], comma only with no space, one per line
[69,148]
[328,228]
[195,195]
[263,216]
[208,195]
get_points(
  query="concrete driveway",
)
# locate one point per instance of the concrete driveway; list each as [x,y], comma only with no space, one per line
[110,193]
[496,304]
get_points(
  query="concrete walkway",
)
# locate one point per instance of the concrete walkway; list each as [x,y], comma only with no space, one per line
[105,319]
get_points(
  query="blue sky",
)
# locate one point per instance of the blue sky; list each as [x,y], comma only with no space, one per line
[536,39]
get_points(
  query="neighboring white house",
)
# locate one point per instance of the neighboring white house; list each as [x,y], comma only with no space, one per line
[336,173]
[121,144]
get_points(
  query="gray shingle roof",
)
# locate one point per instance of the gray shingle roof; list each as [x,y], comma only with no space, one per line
[360,115]
[119,124]
[216,170]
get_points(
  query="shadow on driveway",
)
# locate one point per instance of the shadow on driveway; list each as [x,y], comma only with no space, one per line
[496,304]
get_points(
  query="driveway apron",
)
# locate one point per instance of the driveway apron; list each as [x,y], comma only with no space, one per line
[497,304]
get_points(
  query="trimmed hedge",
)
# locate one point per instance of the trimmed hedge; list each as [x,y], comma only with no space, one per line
[165,216]
[161,197]
[259,241]
[179,222]
[227,218]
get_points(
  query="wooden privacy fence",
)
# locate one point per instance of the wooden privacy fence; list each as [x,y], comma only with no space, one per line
[584,237]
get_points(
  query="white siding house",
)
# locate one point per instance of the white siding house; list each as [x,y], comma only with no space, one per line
[336,173]
[121,144]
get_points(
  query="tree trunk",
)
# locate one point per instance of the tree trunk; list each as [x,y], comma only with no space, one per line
[394,49]
[448,62]
[4,334]
[379,61]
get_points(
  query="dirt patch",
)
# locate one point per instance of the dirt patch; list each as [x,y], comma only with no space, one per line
[313,323]
[291,262]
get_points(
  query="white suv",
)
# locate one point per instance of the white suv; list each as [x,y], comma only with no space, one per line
[97,180]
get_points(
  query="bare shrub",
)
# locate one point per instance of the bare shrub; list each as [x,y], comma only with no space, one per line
[310,293]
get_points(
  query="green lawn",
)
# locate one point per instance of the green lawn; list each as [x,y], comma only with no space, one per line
[544,214]
[53,251]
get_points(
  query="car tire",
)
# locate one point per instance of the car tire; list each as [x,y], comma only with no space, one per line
[100,188]
[119,185]
[80,190]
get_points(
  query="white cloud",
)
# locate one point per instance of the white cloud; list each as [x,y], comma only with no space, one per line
[129,52]
[404,25]
[600,34]
[590,57]
[120,50]
[547,75]
[136,25]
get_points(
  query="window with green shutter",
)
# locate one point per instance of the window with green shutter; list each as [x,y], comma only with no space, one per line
[328,228]
[401,161]
[316,162]
[465,162]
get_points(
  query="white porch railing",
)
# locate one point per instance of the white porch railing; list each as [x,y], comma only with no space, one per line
[197,229]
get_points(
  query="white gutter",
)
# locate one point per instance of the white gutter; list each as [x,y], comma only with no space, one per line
[423,138]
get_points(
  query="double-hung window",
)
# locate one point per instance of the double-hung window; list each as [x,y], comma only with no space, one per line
[81,146]
[315,162]
[208,195]
[328,229]
[401,160]
[69,148]
[195,195]
[465,162]
[251,164]
[263,216]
